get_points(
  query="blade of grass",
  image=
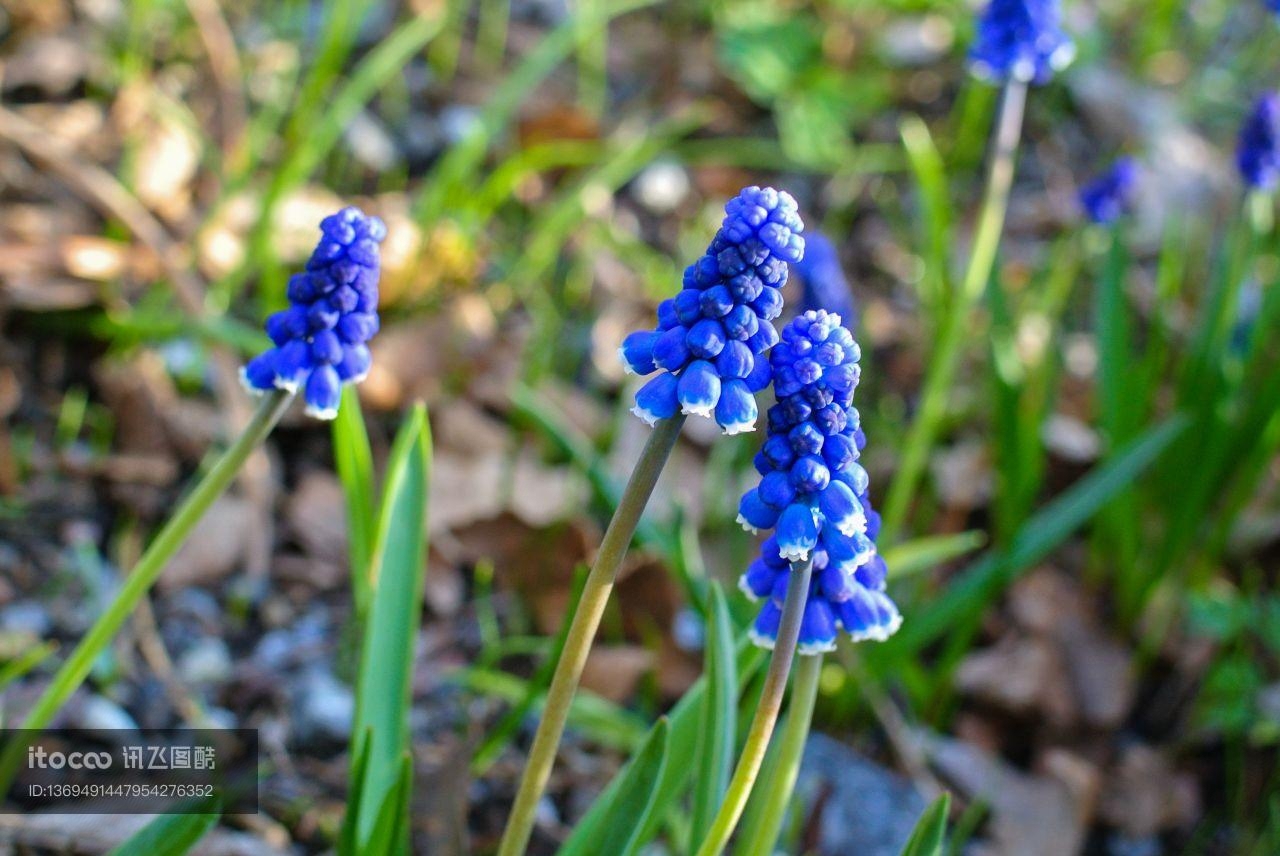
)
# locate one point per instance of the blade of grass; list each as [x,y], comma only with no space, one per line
[935,220]
[451,184]
[684,719]
[930,834]
[968,596]
[172,834]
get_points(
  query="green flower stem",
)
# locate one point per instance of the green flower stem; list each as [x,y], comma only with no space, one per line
[766,716]
[955,328]
[153,561]
[804,692]
[582,630]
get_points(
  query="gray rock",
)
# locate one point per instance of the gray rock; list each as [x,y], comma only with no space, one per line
[100,713]
[866,809]
[25,617]
[206,663]
[323,709]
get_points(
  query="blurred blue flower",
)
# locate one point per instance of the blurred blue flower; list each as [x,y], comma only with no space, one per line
[710,335]
[1108,195]
[813,493]
[321,340]
[825,286]
[1258,154]
[1020,40]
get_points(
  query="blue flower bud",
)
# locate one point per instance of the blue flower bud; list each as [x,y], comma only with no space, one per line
[797,532]
[825,286]
[712,334]
[657,399]
[320,341]
[1108,196]
[736,411]
[1258,153]
[755,514]
[1020,40]
[637,352]
[699,388]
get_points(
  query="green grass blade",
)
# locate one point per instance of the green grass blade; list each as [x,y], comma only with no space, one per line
[684,719]
[172,834]
[923,554]
[935,220]
[969,595]
[930,834]
[354,460]
[451,185]
[600,720]
[386,659]
[718,720]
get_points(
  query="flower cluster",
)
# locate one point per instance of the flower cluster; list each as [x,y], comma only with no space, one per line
[1258,154]
[1106,197]
[825,286]
[321,340]
[813,493]
[1020,40]
[710,335]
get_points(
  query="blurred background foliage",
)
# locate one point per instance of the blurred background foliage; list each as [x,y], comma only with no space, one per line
[1087,573]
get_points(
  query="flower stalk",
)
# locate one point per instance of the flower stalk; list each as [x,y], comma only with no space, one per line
[762,837]
[766,715]
[145,573]
[582,631]
[946,358]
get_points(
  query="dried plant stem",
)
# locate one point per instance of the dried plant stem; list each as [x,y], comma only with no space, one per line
[582,630]
[766,715]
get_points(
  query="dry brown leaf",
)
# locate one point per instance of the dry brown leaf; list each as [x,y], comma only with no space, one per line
[316,515]
[1029,814]
[614,671]
[215,548]
[1144,795]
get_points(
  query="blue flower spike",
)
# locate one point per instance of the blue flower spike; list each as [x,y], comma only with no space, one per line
[1258,153]
[825,285]
[321,340]
[813,494]
[1110,194]
[1020,40]
[708,349]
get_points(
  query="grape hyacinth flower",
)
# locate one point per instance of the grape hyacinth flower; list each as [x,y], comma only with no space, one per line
[825,286]
[1020,40]
[711,337]
[321,340]
[1258,153]
[813,492]
[1108,195]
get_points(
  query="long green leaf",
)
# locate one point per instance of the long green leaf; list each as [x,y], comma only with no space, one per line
[982,582]
[930,834]
[354,461]
[172,834]
[684,719]
[386,660]
[718,719]
[637,800]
